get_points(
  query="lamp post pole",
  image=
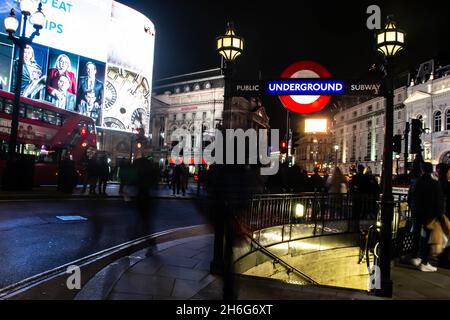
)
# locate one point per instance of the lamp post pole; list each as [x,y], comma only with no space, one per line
[229,47]
[21,42]
[387,200]
[389,40]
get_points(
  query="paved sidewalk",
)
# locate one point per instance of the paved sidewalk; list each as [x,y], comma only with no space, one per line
[179,270]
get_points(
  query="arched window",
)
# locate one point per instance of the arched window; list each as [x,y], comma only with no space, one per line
[437,121]
[447,120]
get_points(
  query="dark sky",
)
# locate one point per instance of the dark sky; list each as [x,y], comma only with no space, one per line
[279,33]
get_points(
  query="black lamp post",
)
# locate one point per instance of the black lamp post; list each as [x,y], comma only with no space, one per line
[389,41]
[11,26]
[229,46]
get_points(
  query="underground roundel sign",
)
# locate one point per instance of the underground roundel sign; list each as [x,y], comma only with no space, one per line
[305,103]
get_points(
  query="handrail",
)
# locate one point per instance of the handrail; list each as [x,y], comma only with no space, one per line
[280,261]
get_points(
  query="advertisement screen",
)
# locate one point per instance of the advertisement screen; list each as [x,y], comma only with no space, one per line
[91,81]
[127,100]
[316,126]
[6,53]
[91,57]
[61,87]
[34,73]
[75,26]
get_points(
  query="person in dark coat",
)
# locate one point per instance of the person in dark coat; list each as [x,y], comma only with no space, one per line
[443,171]
[316,182]
[359,189]
[103,175]
[92,173]
[428,200]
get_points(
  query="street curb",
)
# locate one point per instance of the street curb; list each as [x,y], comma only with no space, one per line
[99,287]
[51,285]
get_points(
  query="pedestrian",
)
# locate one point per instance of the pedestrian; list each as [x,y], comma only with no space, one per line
[316,182]
[336,186]
[123,166]
[443,171]
[84,176]
[103,175]
[415,225]
[184,174]
[428,199]
[92,172]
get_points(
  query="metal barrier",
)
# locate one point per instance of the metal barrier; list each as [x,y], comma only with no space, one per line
[264,211]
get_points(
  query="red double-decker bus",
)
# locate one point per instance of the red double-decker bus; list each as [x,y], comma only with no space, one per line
[48,133]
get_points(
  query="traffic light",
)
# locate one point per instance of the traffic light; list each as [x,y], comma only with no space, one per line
[283,146]
[416,131]
[397,143]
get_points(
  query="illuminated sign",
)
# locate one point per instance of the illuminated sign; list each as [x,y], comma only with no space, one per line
[91,57]
[306,103]
[316,126]
[305,87]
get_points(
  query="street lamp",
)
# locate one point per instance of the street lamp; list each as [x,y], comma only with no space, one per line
[11,24]
[389,41]
[397,157]
[229,46]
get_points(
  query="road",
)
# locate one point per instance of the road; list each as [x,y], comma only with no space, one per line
[33,239]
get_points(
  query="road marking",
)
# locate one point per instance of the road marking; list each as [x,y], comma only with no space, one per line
[71,218]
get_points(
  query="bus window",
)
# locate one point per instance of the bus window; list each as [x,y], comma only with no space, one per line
[8,108]
[60,119]
[34,113]
[49,117]
[22,110]
[1,105]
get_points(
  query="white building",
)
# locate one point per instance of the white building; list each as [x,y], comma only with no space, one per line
[429,100]
[193,101]
[359,130]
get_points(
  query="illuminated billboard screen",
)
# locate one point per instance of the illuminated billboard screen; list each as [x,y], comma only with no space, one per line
[91,57]
[316,126]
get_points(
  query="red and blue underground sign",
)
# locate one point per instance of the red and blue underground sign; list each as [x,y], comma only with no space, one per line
[305,87]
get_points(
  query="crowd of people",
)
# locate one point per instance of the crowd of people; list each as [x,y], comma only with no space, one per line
[428,199]
[96,175]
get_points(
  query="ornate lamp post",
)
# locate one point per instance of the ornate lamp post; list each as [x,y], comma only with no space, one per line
[11,25]
[389,41]
[229,46]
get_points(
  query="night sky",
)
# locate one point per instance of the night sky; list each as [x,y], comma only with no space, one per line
[333,33]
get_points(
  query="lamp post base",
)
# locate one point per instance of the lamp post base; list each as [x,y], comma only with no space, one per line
[19,173]
[386,289]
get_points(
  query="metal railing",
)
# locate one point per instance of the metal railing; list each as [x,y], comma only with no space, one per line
[265,211]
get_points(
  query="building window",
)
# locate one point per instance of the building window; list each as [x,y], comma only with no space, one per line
[355,113]
[184,116]
[399,115]
[342,118]
[369,124]
[196,87]
[193,115]
[369,108]
[204,115]
[377,121]
[369,146]
[447,122]
[353,149]
[437,121]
